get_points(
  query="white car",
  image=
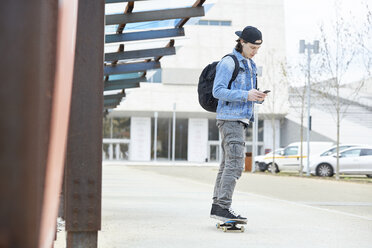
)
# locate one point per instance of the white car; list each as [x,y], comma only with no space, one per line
[328,152]
[353,161]
[260,161]
[333,149]
[290,158]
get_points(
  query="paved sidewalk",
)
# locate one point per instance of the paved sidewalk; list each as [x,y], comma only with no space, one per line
[142,208]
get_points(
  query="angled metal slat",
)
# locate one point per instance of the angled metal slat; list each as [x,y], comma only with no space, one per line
[154,15]
[118,86]
[122,1]
[128,9]
[182,22]
[169,45]
[123,84]
[140,54]
[112,101]
[145,35]
[110,106]
[114,97]
[134,67]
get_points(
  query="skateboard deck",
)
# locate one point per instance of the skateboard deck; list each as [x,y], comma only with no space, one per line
[231,226]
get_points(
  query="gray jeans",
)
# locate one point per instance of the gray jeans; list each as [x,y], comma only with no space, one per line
[232,164]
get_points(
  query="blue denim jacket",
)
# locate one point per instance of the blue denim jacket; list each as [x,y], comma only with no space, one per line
[239,107]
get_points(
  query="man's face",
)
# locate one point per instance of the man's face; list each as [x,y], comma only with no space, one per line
[249,49]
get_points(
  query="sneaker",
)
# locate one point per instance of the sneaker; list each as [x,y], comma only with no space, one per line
[213,210]
[228,214]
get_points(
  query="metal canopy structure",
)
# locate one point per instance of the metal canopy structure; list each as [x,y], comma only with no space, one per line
[125,69]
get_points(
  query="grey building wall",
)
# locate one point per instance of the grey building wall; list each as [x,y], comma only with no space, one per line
[290,132]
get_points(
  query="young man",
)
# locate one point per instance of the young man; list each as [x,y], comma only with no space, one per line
[234,113]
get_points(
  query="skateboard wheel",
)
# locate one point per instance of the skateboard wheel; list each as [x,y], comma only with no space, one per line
[242,229]
[224,229]
[218,225]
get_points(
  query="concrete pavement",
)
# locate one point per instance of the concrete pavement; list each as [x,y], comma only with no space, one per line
[169,207]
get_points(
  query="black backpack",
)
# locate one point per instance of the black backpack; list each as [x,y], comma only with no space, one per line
[205,86]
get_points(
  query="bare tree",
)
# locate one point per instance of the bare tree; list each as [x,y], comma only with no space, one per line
[339,51]
[297,102]
[276,81]
[365,37]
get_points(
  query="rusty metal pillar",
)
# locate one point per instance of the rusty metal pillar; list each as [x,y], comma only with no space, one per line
[83,174]
[27,69]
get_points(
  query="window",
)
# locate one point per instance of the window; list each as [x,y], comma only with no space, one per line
[164,138]
[212,130]
[117,128]
[203,22]
[278,151]
[182,130]
[334,150]
[225,23]
[351,153]
[214,23]
[249,130]
[366,152]
[292,150]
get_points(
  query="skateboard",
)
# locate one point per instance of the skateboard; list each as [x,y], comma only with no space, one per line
[231,226]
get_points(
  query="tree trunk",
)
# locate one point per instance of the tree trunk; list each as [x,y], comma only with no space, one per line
[338,133]
[273,168]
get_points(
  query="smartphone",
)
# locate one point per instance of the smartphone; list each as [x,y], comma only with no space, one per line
[267,91]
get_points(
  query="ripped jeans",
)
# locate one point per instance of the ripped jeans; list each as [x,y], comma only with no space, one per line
[232,164]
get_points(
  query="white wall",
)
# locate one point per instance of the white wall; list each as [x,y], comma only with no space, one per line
[197,140]
[140,139]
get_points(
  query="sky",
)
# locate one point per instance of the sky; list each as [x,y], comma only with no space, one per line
[303,19]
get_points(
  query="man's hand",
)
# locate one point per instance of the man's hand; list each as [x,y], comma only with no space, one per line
[255,95]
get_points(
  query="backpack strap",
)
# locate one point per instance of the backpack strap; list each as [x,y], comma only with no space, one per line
[235,72]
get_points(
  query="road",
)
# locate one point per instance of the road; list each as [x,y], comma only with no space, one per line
[168,206]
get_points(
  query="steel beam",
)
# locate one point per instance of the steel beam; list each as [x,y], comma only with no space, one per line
[82,239]
[170,45]
[145,53]
[122,1]
[110,106]
[145,35]
[123,84]
[182,22]
[156,15]
[114,96]
[27,67]
[133,67]
[128,10]
[112,101]
[67,22]
[83,185]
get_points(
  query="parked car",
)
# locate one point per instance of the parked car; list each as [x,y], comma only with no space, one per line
[328,152]
[261,160]
[289,158]
[333,149]
[353,161]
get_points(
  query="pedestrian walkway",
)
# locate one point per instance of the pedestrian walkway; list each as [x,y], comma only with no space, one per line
[142,208]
